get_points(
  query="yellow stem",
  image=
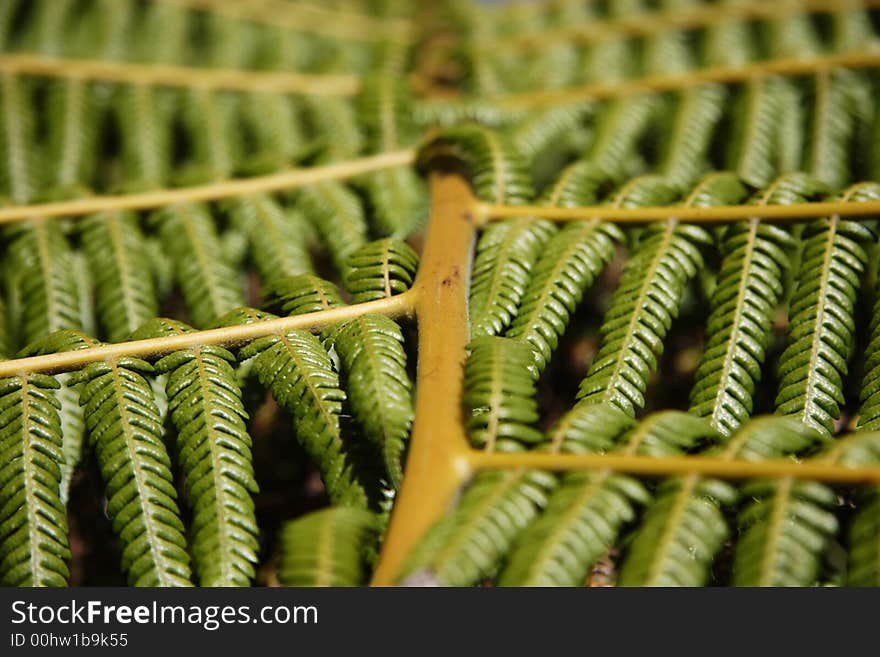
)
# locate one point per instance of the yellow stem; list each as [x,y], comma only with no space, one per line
[716,214]
[645,24]
[816,470]
[275,182]
[303,17]
[167,75]
[654,83]
[401,305]
[437,462]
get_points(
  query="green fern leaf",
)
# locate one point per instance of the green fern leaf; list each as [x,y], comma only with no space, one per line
[833,126]
[755,257]
[306,293]
[696,116]
[783,533]
[585,514]
[380,269]
[468,543]
[642,308]
[118,261]
[326,548]
[506,253]
[33,524]
[499,383]
[620,124]
[378,387]
[398,200]
[277,244]
[205,405]
[821,325]
[497,171]
[210,123]
[337,215]
[73,130]
[300,374]
[43,270]
[758,119]
[20,173]
[125,429]
[334,122]
[545,128]
[274,130]
[210,286]
[569,263]
[143,115]
[863,534]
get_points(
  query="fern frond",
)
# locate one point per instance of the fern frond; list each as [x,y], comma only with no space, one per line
[337,215]
[569,263]
[306,293]
[326,548]
[33,524]
[641,312]
[755,257]
[214,452]
[44,271]
[397,199]
[499,383]
[821,325]
[757,119]
[544,128]
[506,253]
[210,123]
[273,127]
[277,244]
[380,269]
[619,126]
[384,109]
[300,374]
[125,429]
[143,116]
[783,533]
[373,361]
[833,126]
[209,284]
[696,115]
[585,514]
[20,174]
[334,122]
[469,543]
[73,118]
[119,266]
[498,173]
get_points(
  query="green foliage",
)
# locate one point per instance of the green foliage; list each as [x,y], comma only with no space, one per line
[209,285]
[276,237]
[585,514]
[300,374]
[378,387]
[338,217]
[467,544]
[116,251]
[41,266]
[326,548]
[506,253]
[125,430]
[33,525]
[821,328]
[643,307]
[498,173]
[214,453]
[380,269]
[499,404]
